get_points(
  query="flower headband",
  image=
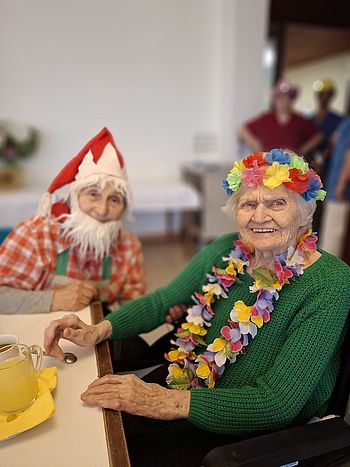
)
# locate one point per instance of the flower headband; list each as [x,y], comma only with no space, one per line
[273,169]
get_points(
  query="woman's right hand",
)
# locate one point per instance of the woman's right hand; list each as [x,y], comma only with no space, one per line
[175,313]
[73,329]
[74,297]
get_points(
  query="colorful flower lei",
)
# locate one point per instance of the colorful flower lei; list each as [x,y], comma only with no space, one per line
[273,169]
[189,370]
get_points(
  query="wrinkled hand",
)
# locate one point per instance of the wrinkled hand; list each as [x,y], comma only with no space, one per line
[175,312]
[73,329]
[73,297]
[130,394]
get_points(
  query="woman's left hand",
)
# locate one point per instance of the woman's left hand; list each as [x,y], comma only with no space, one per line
[130,394]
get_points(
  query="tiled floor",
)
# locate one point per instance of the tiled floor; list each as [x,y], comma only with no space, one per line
[162,263]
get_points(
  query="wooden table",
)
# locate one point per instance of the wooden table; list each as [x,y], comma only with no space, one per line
[76,435]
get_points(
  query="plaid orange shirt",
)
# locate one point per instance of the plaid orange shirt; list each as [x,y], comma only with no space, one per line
[28,260]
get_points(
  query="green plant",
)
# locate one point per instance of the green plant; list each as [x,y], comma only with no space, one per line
[17,142]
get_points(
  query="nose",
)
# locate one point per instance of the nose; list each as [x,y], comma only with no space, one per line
[101,208]
[260,214]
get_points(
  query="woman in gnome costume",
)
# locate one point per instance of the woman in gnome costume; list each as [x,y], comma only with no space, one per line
[75,250]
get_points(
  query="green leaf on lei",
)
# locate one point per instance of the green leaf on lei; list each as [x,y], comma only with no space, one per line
[220,271]
[185,333]
[181,383]
[199,340]
[179,386]
[265,276]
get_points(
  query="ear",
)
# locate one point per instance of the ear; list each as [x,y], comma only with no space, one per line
[306,221]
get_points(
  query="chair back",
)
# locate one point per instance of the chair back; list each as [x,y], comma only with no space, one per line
[339,399]
[4,233]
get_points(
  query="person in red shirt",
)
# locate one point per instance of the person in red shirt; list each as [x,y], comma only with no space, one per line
[281,127]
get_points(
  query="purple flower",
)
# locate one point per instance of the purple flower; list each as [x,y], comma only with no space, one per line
[245,340]
[211,278]
[206,315]
[218,371]
[196,310]
[209,355]
[295,269]
[188,345]
[235,254]
[281,258]
[264,301]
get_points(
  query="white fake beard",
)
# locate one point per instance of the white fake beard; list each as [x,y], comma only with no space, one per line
[87,233]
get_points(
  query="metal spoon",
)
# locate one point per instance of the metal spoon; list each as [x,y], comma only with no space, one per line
[69,357]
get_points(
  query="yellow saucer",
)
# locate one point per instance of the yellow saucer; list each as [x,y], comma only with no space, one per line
[42,408]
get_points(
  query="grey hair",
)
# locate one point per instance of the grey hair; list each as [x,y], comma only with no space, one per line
[100,180]
[306,208]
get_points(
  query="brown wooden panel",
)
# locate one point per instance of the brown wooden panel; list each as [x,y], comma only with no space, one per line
[115,437]
[306,43]
[325,12]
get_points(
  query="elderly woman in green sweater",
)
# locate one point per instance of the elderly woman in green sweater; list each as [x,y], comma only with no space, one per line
[259,347]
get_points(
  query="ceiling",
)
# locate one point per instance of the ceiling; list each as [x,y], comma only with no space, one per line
[318,12]
[306,30]
[304,43]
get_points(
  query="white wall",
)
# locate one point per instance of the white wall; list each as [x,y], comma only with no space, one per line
[335,67]
[156,72]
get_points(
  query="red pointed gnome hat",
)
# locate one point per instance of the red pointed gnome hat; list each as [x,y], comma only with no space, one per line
[99,156]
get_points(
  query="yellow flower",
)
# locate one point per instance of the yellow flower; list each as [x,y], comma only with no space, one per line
[239,165]
[177,372]
[239,265]
[174,355]
[243,311]
[276,285]
[203,370]
[275,175]
[219,344]
[211,383]
[257,320]
[231,269]
[194,329]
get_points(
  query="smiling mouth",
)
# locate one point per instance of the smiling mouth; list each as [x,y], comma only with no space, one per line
[263,230]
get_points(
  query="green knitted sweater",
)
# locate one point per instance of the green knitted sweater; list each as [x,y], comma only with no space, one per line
[289,369]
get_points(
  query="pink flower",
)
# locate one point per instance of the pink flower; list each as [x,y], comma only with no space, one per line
[308,242]
[283,274]
[253,176]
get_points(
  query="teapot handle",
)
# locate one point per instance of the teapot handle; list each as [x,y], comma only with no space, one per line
[38,351]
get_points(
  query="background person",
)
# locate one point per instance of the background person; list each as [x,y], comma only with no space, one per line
[260,347]
[282,126]
[75,250]
[326,121]
[338,188]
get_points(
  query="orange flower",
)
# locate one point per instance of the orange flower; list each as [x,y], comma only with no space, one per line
[256,156]
[298,181]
